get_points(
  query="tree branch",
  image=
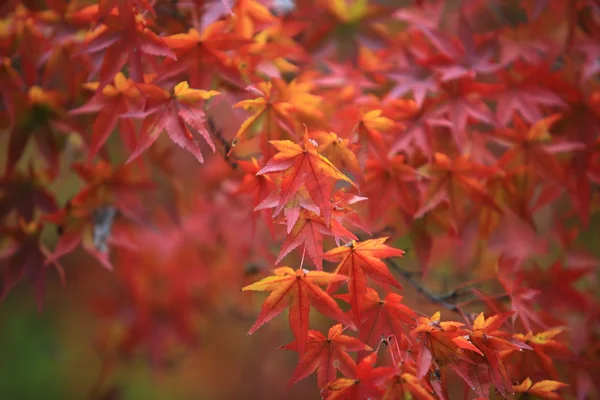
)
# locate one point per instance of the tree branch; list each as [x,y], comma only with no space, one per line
[440,299]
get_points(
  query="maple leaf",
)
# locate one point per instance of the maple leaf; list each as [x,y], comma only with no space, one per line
[542,343]
[24,194]
[24,258]
[453,180]
[105,7]
[486,335]
[533,146]
[123,38]
[247,16]
[73,75]
[301,200]
[201,54]
[339,151]
[471,56]
[407,386]
[560,281]
[357,260]
[260,186]
[342,211]
[25,38]
[443,339]
[39,115]
[274,52]
[326,355]
[10,84]
[370,127]
[304,166]
[309,230]
[110,102]
[522,92]
[390,183]
[174,113]
[381,318]
[306,106]
[88,217]
[418,124]
[464,102]
[425,20]
[297,289]
[521,296]
[416,76]
[366,382]
[543,389]
[271,113]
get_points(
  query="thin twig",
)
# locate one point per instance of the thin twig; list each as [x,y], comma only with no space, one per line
[433,297]
[409,276]
[226,145]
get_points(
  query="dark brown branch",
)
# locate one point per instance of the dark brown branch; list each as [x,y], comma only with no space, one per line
[440,299]
[226,145]
[409,276]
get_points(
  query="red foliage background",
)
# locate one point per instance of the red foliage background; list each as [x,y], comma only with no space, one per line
[414,183]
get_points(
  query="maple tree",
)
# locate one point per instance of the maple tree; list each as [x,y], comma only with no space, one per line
[419,179]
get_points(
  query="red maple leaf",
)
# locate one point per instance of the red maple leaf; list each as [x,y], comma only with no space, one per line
[451,180]
[488,337]
[359,260]
[445,340]
[297,289]
[202,55]
[174,113]
[309,230]
[39,116]
[522,92]
[303,167]
[110,102]
[326,355]
[416,76]
[390,183]
[25,257]
[24,194]
[534,147]
[381,318]
[122,38]
[546,349]
[471,55]
[87,218]
[367,381]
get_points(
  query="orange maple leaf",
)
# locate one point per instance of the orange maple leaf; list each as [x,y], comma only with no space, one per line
[298,290]
[269,108]
[488,338]
[359,260]
[304,166]
[443,340]
[543,389]
[326,355]
[407,386]
[542,343]
[337,150]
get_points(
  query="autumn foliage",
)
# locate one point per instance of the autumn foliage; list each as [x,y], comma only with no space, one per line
[338,155]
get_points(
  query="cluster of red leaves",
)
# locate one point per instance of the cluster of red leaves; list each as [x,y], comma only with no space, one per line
[470,130]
